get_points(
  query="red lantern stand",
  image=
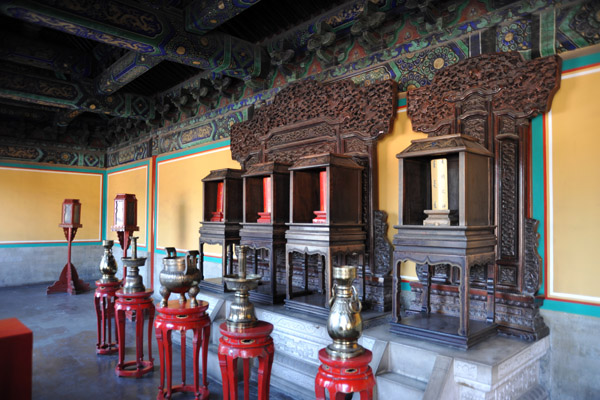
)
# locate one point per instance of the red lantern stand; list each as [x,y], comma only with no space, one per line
[69,280]
[246,344]
[342,376]
[104,302]
[181,317]
[125,221]
[138,302]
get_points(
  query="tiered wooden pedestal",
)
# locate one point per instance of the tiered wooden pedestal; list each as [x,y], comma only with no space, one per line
[104,303]
[340,377]
[182,317]
[246,344]
[138,303]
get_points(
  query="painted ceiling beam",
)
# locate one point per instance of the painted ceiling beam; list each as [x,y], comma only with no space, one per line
[72,96]
[127,68]
[64,61]
[146,31]
[202,16]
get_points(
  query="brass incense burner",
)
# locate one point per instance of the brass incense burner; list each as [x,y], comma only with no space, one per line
[344,324]
[180,275]
[241,313]
[108,264]
[133,281]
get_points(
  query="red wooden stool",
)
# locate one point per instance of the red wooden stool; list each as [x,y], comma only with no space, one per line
[182,317]
[246,344]
[104,302]
[138,302]
[339,376]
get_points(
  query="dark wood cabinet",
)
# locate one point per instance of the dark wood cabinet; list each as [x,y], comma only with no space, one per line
[332,182]
[222,212]
[465,239]
[266,211]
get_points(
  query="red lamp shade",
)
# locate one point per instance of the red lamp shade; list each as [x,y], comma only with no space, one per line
[71,214]
[125,218]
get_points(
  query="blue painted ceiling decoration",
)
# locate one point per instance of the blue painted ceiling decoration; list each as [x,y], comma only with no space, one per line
[104,82]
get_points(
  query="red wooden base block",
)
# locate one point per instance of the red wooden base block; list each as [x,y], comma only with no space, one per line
[134,302]
[66,285]
[104,303]
[339,377]
[246,344]
[16,354]
[181,317]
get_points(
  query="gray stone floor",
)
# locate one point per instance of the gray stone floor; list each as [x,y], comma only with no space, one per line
[65,364]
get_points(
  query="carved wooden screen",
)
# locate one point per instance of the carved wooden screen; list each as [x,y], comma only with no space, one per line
[492,98]
[310,117]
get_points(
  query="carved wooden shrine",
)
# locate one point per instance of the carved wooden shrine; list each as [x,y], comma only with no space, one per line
[490,98]
[309,118]
[266,211]
[222,217]
[458,231]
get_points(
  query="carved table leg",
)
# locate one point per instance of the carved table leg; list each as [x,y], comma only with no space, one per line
[232,376]
[150,324]
[426,294]
[328,268]
[161,354]
[99,318]
[201,265]
[182,339]
[224,379]
[273,268]
[120,321]
[230,257]
[396,294]
[288,274]
[463,295]
[205,342]
[169,359]
[491,292]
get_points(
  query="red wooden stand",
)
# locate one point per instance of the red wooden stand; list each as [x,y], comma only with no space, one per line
[339,377]
[16,354]
[246,344]
[69,280]
[104,303]
[182,317]
[138,302]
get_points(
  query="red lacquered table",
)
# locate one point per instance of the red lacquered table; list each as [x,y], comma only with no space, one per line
[16,354]
[339,376]
[181,317]
[138,302]
[104,303]
[249,343]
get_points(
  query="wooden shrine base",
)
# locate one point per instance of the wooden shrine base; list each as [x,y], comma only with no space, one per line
[313,304]
[443,329]
[214,285]
[263,295]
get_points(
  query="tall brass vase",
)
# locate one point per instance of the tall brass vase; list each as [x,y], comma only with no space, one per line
[345,322]
[108,264]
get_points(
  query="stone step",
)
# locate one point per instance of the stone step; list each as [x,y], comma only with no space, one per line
[393,386]
[407,361]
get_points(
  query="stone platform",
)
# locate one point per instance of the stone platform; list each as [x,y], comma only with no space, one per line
[405,368]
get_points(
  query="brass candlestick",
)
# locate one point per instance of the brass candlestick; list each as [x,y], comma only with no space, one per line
[108,264]
[344,324]
[133,281]
[241,313]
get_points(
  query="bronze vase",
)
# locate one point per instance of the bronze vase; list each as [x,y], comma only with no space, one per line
[179,275]
[344,324]
[108,264]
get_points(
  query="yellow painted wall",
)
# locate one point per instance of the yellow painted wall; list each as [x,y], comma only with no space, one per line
[132,181]
[31,204]
[387,148]
[179,186]
[575,175]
